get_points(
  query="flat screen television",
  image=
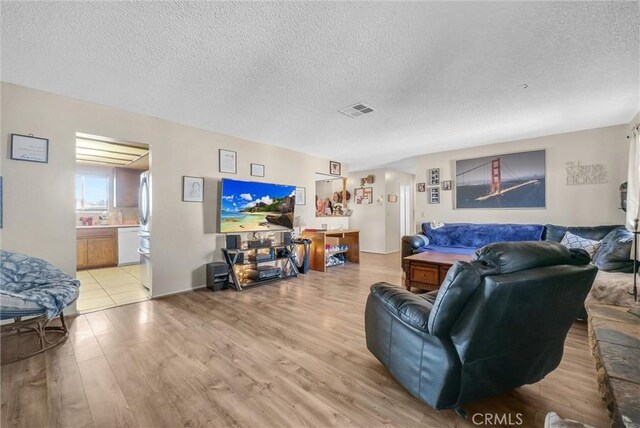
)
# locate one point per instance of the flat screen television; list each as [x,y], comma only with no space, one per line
[249,206]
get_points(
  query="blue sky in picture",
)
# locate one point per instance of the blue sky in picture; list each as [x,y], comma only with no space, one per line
[237,195]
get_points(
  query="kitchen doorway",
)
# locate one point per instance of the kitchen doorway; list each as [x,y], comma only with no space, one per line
[112,190]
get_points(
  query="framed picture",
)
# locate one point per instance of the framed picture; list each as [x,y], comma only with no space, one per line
[301,196]
[434,195]
[228,161]
[29,148]
[393,197]
[335,168]
[358,194]
[422,187]
[192,189]
[257,170]
[513,180]
[433,177]
[367,197]
[446,185]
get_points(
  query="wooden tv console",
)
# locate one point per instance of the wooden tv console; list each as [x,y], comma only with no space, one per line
[321,238]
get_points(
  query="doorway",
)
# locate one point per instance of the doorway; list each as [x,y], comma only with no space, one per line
[406,210]
[111,264]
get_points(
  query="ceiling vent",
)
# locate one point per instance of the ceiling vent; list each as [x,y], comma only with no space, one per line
[356,110]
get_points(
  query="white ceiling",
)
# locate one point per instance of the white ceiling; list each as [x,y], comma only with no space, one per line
[440,75]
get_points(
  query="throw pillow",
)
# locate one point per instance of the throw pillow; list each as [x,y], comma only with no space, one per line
[570,240]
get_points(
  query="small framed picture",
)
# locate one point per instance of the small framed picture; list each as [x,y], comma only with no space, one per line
[192,189]
[335,168]
[446,185]
[257,170]
[422,187]
[228,161]
[433,177]
[301,196]
[393,197]
[367,195]
[29,148]
[434,195]
[358,195]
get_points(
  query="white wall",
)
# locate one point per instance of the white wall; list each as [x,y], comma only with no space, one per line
[39,200]
[393,181]
[566,204]
[369,218]
[379,222]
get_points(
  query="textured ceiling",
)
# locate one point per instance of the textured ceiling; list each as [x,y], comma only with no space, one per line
[440,75]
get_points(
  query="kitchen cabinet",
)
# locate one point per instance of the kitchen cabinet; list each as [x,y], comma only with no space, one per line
[127,183]
[97,248]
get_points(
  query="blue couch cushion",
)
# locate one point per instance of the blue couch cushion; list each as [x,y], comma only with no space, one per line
[471,235]
[614,254]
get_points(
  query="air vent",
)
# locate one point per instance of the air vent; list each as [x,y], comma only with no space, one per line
[356,110]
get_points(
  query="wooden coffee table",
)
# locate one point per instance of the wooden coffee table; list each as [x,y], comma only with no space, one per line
[427,270]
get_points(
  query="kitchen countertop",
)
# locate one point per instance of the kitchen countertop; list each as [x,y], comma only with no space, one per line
[107,226]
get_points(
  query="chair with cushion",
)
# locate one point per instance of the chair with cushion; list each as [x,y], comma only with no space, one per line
[497,323]
[32,294]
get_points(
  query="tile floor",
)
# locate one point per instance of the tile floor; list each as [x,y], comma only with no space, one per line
[109,287]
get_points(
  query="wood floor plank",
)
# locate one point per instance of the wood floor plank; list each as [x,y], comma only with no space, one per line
[106,401]
[287,354]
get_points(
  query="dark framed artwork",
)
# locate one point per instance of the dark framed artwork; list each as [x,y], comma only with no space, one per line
[512,180]
[434,195]
[335,168]
[192,189]
[422,187]
[446,185]
[29,148]
[228,161]
[433,177]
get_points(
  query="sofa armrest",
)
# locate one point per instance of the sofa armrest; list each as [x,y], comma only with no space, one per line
[411,309]
[410,243]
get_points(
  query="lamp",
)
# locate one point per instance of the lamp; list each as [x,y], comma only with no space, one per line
[298,224]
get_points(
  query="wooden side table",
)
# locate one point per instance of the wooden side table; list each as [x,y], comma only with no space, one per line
[427,270]
[321,238]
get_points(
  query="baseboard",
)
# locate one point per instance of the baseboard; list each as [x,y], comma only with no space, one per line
[380,252]
[186,290]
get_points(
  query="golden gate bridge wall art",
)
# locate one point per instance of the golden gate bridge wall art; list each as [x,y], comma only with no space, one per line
[514,180]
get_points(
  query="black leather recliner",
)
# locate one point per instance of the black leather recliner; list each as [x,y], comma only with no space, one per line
[497,323]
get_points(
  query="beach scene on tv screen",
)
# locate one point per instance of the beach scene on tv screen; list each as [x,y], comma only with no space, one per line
[248,206]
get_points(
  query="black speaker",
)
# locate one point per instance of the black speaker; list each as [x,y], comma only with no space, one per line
[286,238]
[234,242]
[217,276]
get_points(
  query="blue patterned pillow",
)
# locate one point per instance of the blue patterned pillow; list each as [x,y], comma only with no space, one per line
[570,240]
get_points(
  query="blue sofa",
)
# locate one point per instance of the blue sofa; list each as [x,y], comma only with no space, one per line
[466,238]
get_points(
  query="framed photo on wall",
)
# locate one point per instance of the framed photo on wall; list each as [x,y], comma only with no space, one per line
[257,170]
[367,195]
[301,196]
[422,187]
[446,185]
[433,177]
[29,148]
[228,161]
[503,181]
[192,189]
[434,195]
[335,168]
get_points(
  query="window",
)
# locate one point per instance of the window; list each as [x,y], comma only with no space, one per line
[92,192]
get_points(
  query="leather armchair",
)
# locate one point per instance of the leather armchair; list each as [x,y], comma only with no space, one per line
[497,323]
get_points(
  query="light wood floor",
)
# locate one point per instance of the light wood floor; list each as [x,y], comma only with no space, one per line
[283,354]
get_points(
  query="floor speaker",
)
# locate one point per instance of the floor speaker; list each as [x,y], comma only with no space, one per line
[217,276]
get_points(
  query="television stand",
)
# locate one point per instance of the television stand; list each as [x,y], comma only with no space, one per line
[244,272]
